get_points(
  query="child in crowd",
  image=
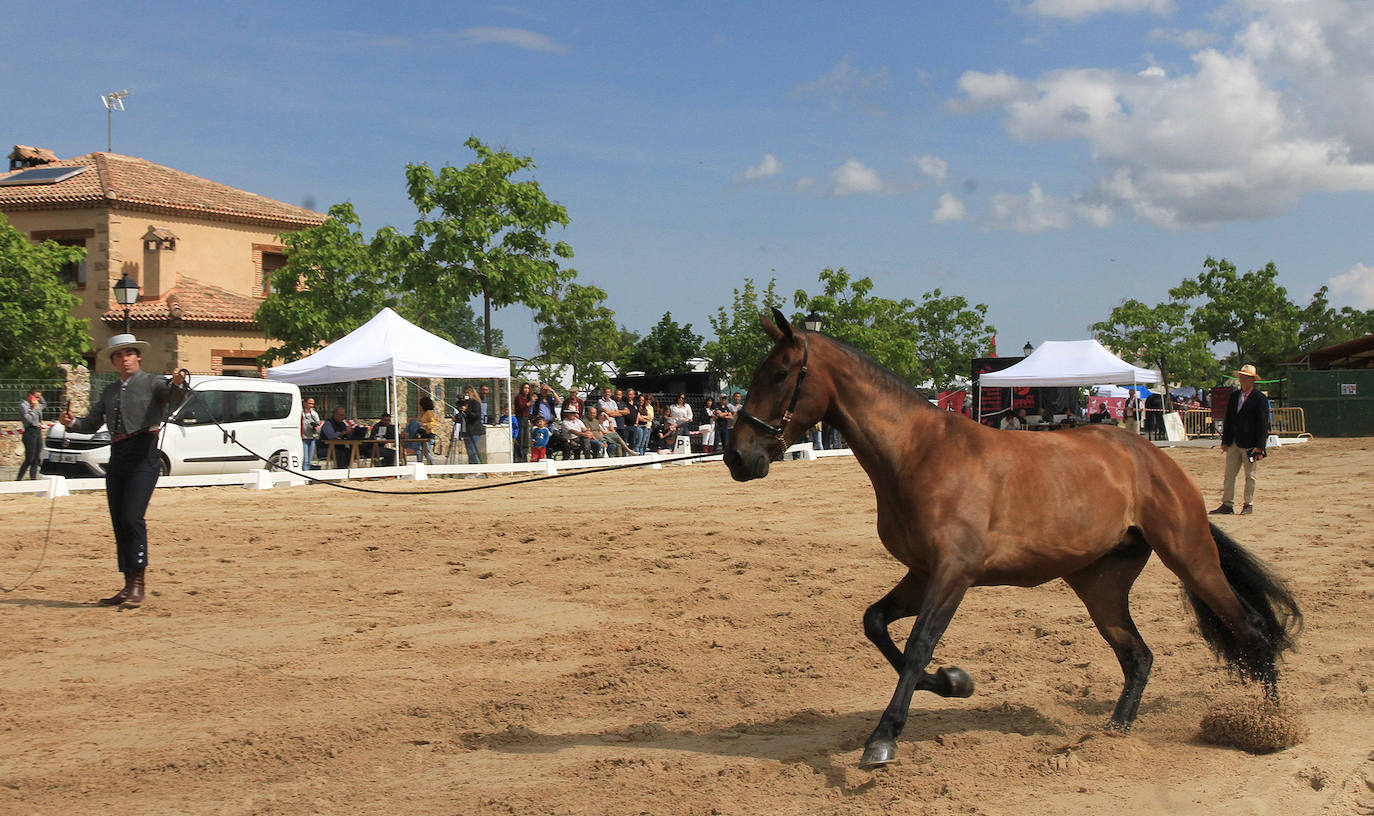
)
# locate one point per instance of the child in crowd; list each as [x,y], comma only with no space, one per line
[539,440]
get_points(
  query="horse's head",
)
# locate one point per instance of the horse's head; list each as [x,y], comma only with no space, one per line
[779,409]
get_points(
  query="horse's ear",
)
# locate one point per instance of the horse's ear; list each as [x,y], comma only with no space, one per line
[778,328]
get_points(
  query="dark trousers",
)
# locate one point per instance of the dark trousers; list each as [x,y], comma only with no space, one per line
[130,478]
[522,439]
[33,452]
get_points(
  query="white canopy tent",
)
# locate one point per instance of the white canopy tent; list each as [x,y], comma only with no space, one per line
[389,346]
[1067,363]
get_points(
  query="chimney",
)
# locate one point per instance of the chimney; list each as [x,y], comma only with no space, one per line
[159,262]
[24,156]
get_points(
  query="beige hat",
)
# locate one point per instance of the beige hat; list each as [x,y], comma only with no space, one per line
[122,341]
[1246,370]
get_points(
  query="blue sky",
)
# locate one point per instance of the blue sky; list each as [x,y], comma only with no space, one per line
[1046,157]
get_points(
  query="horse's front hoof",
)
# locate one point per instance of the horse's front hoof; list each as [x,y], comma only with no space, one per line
[954,682]
[878,753]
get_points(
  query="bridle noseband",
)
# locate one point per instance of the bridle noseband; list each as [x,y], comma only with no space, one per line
[776,431]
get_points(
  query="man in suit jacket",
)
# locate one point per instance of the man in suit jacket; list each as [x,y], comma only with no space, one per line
[1243,436]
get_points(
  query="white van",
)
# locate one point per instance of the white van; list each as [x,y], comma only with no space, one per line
[263,415]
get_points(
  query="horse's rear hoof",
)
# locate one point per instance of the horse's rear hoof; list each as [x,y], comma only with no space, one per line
[954,682]
[878,753]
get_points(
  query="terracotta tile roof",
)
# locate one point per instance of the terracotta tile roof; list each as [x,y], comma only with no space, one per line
[190,302]
[138,184]
[32,155]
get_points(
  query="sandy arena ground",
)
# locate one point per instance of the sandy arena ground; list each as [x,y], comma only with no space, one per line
[667,642]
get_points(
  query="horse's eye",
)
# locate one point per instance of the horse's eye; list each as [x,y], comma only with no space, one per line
[780,376]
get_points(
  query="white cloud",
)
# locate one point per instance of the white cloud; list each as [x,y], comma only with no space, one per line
[1032,212]
[856,177]
[518,37]
[949,208]
[770,166]
[1193,39]
[1354,288]
[934,167]
[1079,10]
[845,87]
[1287,111]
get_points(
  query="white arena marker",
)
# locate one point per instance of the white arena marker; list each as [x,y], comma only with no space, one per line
[550,469]
[57,486]
[258,480]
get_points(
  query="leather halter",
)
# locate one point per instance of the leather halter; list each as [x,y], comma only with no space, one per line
[776,431]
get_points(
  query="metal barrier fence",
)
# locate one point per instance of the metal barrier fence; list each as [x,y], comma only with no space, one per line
[1284,422]
[13,392]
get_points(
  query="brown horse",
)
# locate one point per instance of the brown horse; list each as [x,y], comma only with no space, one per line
[962,505]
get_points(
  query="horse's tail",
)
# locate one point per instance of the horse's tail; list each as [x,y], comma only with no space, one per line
[1268,604]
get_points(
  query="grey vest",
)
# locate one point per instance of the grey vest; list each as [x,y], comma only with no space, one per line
[141,404]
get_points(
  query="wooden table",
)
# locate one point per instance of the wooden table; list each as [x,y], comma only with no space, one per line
[354,447]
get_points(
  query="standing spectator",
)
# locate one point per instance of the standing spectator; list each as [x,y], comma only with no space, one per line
[31,416]
[546,405]
[573,403]
[310,431]
[724,417]
[631,432]
[708,427]
[1244,435]
[609,406]
[482,398]
[131,410]
[469,415]
[643,422]
[524,401]
[539,440]
[681,414]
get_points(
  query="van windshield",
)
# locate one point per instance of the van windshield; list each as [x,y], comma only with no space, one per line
[208,407]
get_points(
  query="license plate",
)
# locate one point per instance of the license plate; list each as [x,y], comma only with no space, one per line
[59,456]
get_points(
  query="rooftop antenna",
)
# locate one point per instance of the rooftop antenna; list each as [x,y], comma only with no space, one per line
[113,101]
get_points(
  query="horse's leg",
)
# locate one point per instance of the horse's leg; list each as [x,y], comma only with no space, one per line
[938,605]
[902,602]
[1104,586]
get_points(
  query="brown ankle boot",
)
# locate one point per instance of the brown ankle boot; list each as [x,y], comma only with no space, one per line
[135,596]
[122,595]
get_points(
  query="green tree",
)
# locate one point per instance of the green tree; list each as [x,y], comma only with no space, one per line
[334,281]
[37,329]
[664,350]
[459,325]
[949,335]
[1322,325]
[480,232]
[1163,336]
[579,331]
[933,340]
[1250,311]
[740,343]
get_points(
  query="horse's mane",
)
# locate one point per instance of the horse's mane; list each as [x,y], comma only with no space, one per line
[878,372]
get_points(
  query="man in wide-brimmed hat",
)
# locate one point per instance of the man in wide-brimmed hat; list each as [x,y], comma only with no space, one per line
[132,410]
[1244,434]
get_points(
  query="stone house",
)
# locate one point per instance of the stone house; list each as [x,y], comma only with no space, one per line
[200,251]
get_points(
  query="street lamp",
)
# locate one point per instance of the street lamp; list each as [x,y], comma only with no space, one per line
[1027,349]
[812,321]
[126,293]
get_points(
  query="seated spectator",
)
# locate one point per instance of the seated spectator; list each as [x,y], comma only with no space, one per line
[1014,422]
[336,427]
[1102,414]
[602,427]
[382,431]
[581,443]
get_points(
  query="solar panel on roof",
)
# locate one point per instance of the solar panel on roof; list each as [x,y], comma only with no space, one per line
[41,175]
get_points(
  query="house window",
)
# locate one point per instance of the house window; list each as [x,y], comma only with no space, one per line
[74,272]
[267,259]
[239,367]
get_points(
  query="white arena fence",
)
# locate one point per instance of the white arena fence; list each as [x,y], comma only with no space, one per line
[53,487]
